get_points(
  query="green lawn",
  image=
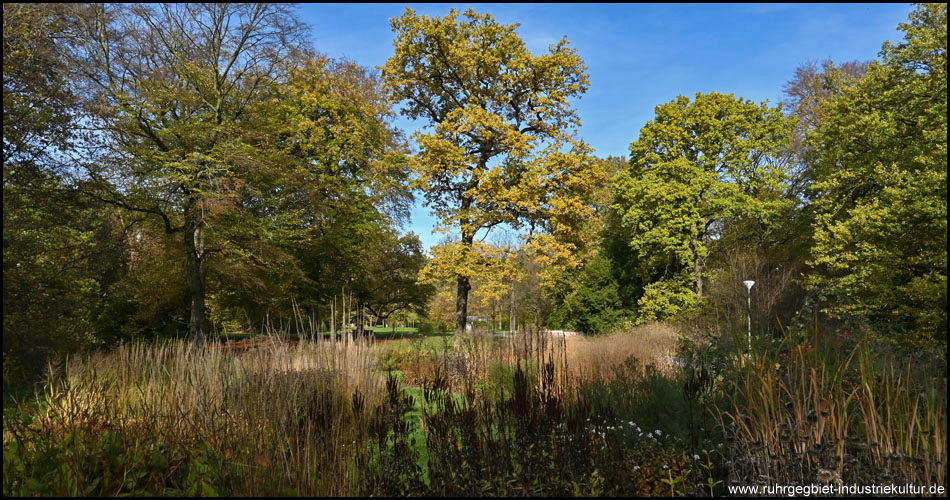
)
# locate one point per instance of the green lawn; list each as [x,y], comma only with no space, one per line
[394,333]
[402,332]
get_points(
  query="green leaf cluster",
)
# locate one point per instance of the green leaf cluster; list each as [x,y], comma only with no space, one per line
[697,167]
[880,189]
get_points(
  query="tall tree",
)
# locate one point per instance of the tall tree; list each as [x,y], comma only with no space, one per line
[880,187]
[63,257]
[695,166]
[38,103]
[389,280]
[804,94]
[499,149]
[347,190]
[174,93]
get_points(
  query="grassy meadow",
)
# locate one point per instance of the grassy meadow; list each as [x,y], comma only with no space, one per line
[639,412]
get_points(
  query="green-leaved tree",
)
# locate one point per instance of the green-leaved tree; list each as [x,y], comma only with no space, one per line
[696,166]
[179,97]
[880,187]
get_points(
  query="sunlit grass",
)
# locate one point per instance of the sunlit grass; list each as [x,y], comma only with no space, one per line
[531,413]
[282,415]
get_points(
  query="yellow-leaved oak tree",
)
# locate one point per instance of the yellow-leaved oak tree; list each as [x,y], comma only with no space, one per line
[491,270]
[498,147]
[697,166]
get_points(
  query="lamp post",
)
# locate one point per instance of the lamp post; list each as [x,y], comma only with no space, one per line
[748,285]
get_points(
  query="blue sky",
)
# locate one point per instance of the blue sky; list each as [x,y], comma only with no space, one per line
[640,56]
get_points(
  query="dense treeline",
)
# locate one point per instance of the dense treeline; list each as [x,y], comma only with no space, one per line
[185,168]
[835,203]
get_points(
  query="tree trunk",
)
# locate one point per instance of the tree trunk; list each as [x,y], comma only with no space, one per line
[461,304]
[697,260]
[511,317]
[360,318]
[194,244]
[464,285]
[333,319]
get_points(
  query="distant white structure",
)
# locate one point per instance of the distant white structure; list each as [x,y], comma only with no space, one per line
[561,332]
[471,320]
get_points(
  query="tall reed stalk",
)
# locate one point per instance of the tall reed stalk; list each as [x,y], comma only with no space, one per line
[813,416]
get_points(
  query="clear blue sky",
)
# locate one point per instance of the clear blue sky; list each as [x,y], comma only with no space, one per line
[640,56]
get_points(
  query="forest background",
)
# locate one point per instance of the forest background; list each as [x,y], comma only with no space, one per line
[148,194]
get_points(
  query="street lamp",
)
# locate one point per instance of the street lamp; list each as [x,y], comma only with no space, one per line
[748,285]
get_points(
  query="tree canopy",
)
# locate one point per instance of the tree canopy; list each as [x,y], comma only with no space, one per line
[174,168]
[695,166]
[498,149]
[880,188]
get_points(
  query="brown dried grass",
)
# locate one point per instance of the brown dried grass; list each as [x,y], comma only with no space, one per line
[591,358]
